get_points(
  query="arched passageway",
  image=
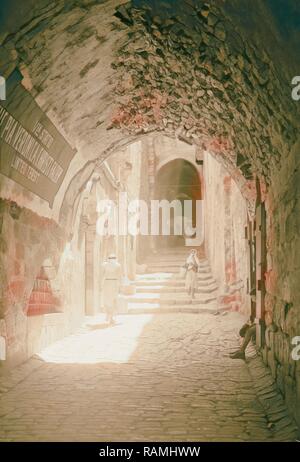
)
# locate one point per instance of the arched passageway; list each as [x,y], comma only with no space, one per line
[105,98]
[179,180]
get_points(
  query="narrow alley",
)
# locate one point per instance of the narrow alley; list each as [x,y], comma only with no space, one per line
[149,221]
[148,378]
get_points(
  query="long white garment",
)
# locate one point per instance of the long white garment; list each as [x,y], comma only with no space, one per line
[191,274]
[111,281]
[192,260]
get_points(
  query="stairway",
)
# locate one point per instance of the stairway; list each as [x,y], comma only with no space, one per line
[162,290]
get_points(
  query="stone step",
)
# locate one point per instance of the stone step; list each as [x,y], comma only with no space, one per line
[204,289]
[174,250]
[172,283]
[179,248]
[146,308]
[169,288]
[172,258]
[165,299]
[174,262]
[165,267]
[171,269]
[170,279]
[162,288]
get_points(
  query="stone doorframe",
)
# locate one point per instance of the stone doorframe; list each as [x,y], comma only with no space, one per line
[261,267]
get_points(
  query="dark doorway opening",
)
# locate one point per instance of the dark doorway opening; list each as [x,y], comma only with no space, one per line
[178,180]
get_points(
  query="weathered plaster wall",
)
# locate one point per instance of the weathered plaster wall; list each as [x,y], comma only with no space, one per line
[283,276]
[26,240]
[225,243]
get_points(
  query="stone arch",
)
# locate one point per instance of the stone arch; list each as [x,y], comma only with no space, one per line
[178,180]
[181,162]
[109,72]
[170,158]
[195,44]
[91,169]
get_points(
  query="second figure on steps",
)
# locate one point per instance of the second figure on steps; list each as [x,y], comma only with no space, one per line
[192,266]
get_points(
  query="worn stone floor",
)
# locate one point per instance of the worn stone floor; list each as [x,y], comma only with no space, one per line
[150,377]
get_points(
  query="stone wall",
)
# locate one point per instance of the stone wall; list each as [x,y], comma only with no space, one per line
[283,276]
[29,243]
[25,241]
[225,243]
[194,70]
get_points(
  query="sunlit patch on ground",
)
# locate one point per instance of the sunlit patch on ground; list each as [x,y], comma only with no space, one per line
[98,342]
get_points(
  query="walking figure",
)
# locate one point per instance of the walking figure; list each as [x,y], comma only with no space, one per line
[111,281]
[192,266]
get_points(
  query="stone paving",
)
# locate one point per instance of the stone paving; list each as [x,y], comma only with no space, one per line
[160,377]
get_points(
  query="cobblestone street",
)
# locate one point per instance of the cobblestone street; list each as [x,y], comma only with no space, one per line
[149,171]
[162,377]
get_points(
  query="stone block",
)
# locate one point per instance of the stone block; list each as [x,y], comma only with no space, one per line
[272,363]
[2,348]
[297,395]
[265,355]
[290,393]
[280,379]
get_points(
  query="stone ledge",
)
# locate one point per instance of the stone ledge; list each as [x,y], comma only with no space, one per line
[48,319]
[10,378]
[270,398]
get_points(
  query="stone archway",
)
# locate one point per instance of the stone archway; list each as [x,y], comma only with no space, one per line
[178,180]
[198,57]
[109,73]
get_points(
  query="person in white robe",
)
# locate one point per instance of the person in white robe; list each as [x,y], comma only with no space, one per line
[111,274]
[192,266]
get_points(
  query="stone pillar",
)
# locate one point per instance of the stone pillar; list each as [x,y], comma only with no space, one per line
[150,152]
[231,296]
[260,238]
[297,404]
[91,288]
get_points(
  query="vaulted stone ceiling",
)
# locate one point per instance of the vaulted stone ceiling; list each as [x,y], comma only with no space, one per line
[109,71]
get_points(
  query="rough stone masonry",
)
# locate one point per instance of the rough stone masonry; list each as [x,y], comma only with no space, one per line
[109,73]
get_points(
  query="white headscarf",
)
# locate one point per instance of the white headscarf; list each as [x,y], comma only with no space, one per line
[193,259]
